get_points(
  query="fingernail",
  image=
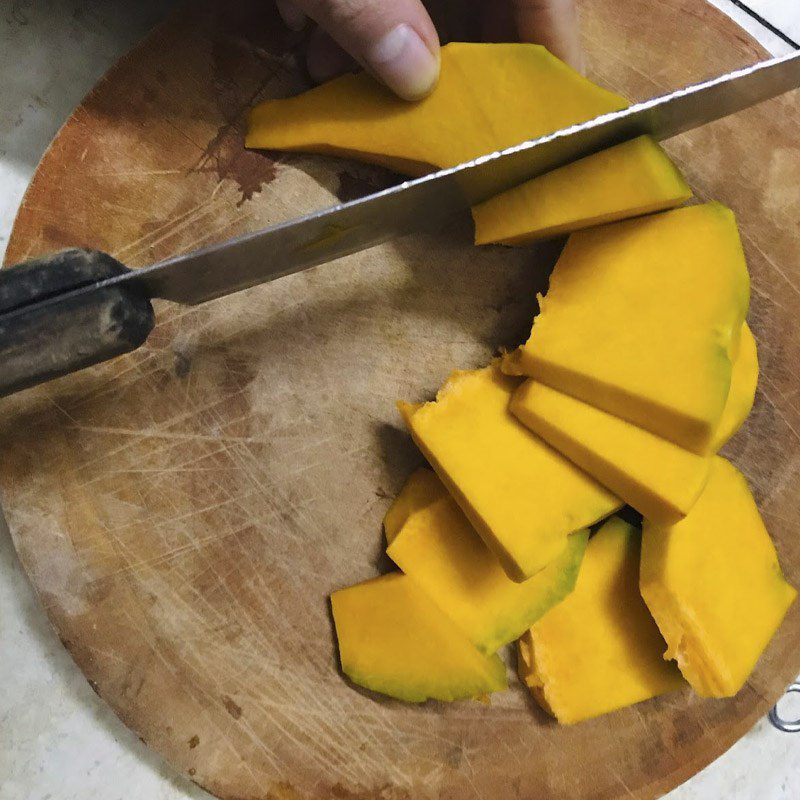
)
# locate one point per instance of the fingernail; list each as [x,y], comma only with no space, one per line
[403,61]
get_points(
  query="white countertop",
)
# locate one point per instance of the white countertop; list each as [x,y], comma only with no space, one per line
[58,740]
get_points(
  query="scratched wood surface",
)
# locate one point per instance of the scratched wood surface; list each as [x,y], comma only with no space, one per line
[184,512]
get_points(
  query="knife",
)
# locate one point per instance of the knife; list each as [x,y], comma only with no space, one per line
[75,308]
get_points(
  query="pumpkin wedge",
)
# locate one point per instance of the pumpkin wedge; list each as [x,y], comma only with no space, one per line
[521,496]
[714,586]
[394,640]
[658,478]
[476,108]
[641,318]
[439,549]
[598,650]
[628,180]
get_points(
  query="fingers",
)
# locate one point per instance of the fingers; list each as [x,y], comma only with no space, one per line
[397,42]
[394,39]
[553,23]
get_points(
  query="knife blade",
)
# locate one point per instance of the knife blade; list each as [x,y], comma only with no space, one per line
[426,202]
[34,307]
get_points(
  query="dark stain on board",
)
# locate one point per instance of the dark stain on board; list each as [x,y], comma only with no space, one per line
[232,707]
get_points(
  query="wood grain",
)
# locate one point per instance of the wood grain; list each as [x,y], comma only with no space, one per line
[184,512]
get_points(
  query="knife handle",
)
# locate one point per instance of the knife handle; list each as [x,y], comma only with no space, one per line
[44,342]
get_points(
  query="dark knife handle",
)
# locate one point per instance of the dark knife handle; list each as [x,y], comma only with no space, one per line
[39,343]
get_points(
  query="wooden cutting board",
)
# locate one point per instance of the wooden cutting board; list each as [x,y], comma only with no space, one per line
[184,512]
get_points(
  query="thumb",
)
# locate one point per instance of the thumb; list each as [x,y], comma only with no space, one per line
[394,39]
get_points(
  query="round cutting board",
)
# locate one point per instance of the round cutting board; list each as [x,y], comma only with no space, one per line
[185,511]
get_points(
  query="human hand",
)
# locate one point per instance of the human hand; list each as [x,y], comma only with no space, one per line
[396,40]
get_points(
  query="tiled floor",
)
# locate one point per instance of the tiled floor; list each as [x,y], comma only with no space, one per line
[58,741]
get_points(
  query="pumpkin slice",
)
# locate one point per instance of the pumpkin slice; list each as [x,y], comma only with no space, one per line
[476,107]
[631,179]
[439,549]
[659,479]
[394,640]
[641,319]
[521,496]
[599,650]
[744,380]
[714,586]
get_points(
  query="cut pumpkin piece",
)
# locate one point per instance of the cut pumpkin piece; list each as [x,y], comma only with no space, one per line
[659,479]
[439,549]
[714,586]
[600,649]
[477,107]
[641,319]
[394,640]
[744,380]
[522,497]
[628,180]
